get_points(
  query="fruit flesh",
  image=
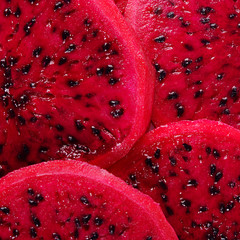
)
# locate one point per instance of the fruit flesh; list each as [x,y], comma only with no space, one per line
[70,83]
[74,200]
[121,4]
[194,48]
[192,170]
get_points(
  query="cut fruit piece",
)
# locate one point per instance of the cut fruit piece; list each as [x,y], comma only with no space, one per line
[75,200]
[192,170]
[73,83]
[194,47]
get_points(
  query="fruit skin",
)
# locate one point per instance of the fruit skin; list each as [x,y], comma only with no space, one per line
[194,46]
[44,132]
[78,188]
[192,170]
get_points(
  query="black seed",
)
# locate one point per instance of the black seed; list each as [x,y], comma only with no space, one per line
[13,60]
[106,46]
[173,161]
[223,102]
[149,238]
[163,185]
[94,236]
[109,69]
[32,203]
[7,12]
[205,42]
[71,48]
[160,39]
[187,147]
[18,12]
[33,232]
[232,184]
[43,149]
[226,111]
[87,22]
[218,176]
[205,20]
[56,236]
[208,150]
[232,15]
[171,15]
[169,211]
[48,117]
[59,127]
[111,229]
[185,203]
[72,83]
[216,153]
[114,103]
[132,177]
[86,218]
[96,131]
[162,75]
[24,152]
[205,10]
[117,113]
[58,5]
[213,25]
[148,162]
[198,60]
[36,221]
[234,92]
[192,182]
[72,139]
[164,198]
[30,191]
[155,168]
[214,190]
[113,81]
[185,24]
[39,197]
[203,209]
[62,60]
[100,71]
[32,1]
[79,125]
[186,62]
[222,208]
[21,120]
[157,154]
[188,47]
[1,148]
[188,71]
[98,221]
[5,210]
[230,206]
[77,222]
[172,95]
[15,233]
[28,26]
[11,113]
[76,233]
[45,61]
[198,94]
[26,69]
[212,169]
[180,110]
[84,200]
[65,34]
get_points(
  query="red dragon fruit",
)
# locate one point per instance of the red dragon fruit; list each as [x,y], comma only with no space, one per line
[73,83]
[194,47]
[63,200]
[192,170]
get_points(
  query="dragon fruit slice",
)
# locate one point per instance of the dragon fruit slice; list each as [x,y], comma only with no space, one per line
[194,47]
[75,200]
[73,83]
[192,170]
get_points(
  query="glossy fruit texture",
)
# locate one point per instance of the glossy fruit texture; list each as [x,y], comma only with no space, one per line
[192,170]
[75,200]
[73,83]
[194,47]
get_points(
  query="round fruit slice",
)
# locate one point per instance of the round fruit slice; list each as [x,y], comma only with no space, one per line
[192,170]
[73,83]
[194,47]
[75,200]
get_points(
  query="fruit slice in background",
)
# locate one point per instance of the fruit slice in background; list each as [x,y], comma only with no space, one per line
[75,200]
[192,170]
[194,47]
[73,83]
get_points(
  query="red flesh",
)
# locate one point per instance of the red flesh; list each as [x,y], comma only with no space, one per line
[179,177]
[47,88]
[62,185]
